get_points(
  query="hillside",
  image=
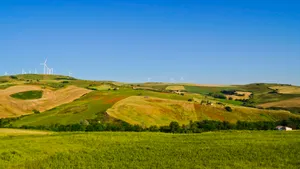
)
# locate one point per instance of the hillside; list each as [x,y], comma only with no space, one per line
[147,111]
[66,100]
[11,107]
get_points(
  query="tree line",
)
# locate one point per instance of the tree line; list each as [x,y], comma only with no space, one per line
[173,127]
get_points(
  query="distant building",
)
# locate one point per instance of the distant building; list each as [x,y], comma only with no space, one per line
[283,128]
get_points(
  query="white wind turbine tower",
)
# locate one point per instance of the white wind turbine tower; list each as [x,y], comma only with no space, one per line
[35,71]
[46,69]
[5,73]
[49,71]
[70,74]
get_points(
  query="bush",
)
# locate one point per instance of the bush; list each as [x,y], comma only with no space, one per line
[190,100]
[228,108]
[36,111]
[13,77]
[153,128]
[228,92]
[218,95]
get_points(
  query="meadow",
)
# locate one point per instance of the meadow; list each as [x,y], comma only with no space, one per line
[230,149]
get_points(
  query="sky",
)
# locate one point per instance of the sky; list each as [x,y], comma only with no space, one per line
[198,41]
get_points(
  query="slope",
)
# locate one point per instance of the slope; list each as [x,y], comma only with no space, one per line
[147,111]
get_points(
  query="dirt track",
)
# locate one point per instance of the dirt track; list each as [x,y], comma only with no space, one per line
[10,107]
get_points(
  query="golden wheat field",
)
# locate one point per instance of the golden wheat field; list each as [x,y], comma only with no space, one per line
[295,102]
[173,88]
[11,107]
[287,89]
[235,97]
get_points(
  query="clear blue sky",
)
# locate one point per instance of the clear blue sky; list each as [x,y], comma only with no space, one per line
[203,41]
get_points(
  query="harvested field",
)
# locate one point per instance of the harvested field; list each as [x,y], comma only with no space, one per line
[147,111]
[239,95]
[10,107]
[295,102]
[152,111]
[286,89]
[102,87]
[173,88]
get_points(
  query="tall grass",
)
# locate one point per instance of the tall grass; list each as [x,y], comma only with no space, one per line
[244,149]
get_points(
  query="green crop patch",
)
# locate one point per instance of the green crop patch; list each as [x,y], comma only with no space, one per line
[230,149]
[28,95]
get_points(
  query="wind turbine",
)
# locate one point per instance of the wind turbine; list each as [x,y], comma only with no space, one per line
[35,71]
[5,73]
[149,79]
[51,70]
[46,69]
[70,74]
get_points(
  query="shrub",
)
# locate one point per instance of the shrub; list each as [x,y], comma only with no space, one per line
[13,77]
[36,111]
[229,92]
[190,100]
[228,108]
[153,128]
[218,95]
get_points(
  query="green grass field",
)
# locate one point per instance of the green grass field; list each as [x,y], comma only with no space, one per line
[231,149]
[28,95]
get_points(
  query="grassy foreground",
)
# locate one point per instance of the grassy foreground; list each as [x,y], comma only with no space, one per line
[236,149]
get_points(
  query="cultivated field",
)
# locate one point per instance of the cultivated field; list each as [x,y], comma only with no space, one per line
[11,107]
[287,89]
[175,88]
[235,149]
[147,111]
[295,102]
[102,87]
[17,132]
[246,95]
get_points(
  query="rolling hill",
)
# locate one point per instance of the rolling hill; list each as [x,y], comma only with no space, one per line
[66,100]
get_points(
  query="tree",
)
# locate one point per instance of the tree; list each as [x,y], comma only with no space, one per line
[174,127]
[153,128]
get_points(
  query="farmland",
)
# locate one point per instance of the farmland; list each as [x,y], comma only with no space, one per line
[287,89]
[232,149]
[147,111]
[28,95]
[66,100]
[10,106]
[173,88]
